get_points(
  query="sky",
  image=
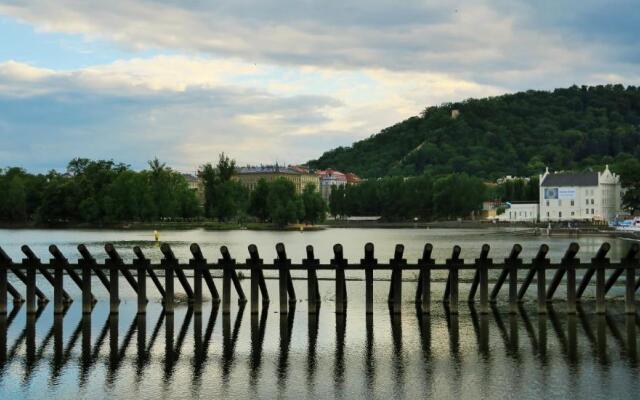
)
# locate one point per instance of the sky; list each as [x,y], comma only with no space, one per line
[283,81]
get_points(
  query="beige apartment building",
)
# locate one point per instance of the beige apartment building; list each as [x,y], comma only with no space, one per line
[249,176]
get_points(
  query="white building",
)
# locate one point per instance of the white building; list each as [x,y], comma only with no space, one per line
[520,211]
[328,180]
[586,196]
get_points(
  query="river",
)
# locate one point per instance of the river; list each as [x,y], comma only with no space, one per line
[240,355]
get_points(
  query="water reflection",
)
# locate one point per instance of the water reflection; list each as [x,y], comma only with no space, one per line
[298,356]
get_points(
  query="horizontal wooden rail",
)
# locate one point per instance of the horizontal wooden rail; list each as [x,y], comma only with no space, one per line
[109,271]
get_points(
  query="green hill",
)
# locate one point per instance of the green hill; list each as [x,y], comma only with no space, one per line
[513,134]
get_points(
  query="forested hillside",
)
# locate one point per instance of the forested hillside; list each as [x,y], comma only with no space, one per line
[514,134]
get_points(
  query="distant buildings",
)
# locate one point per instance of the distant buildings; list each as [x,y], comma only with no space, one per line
[299,176]
[520,211]
[593,196]
[330,179]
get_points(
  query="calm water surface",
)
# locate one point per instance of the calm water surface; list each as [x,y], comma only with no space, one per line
[269,355]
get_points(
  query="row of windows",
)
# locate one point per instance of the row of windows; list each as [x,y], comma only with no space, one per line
[587,202]
[586,211]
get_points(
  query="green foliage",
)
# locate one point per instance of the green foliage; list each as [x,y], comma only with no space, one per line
[96,192]
[516,134]
[283,204]
[258,201]
[396,198]
[315,208]
[520,189]
[629,171]
[224,199]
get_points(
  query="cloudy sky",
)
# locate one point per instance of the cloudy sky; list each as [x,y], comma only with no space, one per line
[276,80]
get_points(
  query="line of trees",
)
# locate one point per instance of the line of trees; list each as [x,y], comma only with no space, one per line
[425,197]
[519,189]
[96,192]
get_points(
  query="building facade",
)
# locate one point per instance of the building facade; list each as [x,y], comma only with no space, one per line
[520,211]
[585,196]
[328,180]
[249,176]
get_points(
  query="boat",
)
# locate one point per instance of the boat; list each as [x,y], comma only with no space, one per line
[628,225]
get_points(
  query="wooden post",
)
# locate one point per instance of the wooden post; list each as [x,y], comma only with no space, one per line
[313,293]
[35,262]
[58,283]
[231,263]
[601,268]
[476,276]
[424,285]
[483,263]
[283,263]
[453,264]
[198,263]
[255,263]
[542,252]
[368,263]
[177,271]
[168,262]
[633,251]
[117,260]
[5,262]
[586,278]
[339,263]
[87,300]
[513,263]
[142,265]
[114,285]
[31,285]
[64,263]
[397,264]
[572,250]
[571,266]
[541,263]
[152,274]
[630,286]
[93,265]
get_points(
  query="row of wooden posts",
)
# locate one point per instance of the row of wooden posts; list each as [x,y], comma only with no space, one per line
[82,272]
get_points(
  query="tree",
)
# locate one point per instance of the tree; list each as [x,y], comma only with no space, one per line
[283,204]
[314,206]
[629,171]
[258,200]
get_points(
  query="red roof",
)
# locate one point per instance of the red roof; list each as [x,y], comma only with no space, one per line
[339,175]
[353,178]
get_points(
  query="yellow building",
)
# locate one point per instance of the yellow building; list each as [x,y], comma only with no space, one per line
[249,176]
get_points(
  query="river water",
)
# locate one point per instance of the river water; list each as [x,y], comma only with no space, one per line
[295,356]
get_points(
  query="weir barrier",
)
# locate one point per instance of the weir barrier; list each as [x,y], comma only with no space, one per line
[109,272]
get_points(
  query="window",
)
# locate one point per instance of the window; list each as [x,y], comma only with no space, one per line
[586,211]
[560,214]
[591,201]
[547,203]
[592,211]
[547,214]
[572,213]
[572,203]
[586,201]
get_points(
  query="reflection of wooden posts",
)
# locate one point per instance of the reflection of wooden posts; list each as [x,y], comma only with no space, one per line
[453,264]
[339,263]
[368,263]
[569,255]
[313,291]
[142,265]
[597,260]
[397,264]
[423,291]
